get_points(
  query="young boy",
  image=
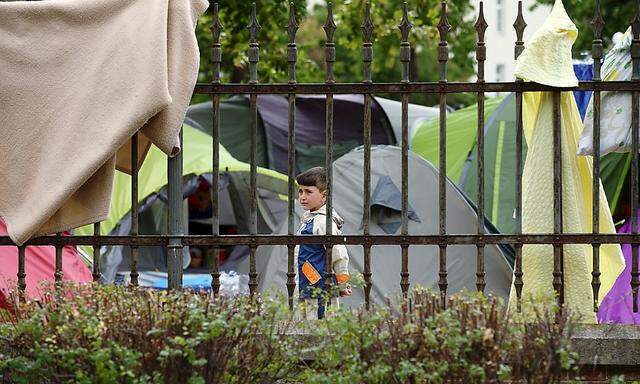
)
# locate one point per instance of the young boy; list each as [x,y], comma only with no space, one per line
[311,258]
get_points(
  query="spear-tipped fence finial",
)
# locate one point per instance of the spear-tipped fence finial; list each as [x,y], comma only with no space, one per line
[292,25]
[597,22]
[597,46]
[367,25]
[519,25]
[329,25]
[216,26]
[253,27]
[405,25]
[254,48]
[367,46]
[443,25]
[292,49]
[481,24]
[330,47]
[216,48]
[443,48]
[481,49]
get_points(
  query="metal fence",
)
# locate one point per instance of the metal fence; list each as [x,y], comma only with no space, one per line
[176,240]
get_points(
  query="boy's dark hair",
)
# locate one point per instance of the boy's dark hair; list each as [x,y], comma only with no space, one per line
[314,177]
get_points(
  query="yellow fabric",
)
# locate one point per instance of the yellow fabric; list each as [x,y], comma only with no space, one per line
[547,56]
[554,39]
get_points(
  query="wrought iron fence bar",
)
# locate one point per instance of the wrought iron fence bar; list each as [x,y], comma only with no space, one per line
[58,274]
[635,129]
[96,253]
[558,261]
[263,239]
[330,57]
[519,25]
[292,57]
[414,87]
[174,245]
[22,283]
[481,54]
[367,58]
[216,59]
[597,54]
[443,57]
[254,58]
[175,241]
[134,208]
[405,59]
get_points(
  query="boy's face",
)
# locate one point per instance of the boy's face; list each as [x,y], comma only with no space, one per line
[311,198]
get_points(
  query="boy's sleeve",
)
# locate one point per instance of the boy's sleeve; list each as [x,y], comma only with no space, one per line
[339,255]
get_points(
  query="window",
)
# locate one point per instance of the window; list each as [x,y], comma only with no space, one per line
[500,15]
[500,72]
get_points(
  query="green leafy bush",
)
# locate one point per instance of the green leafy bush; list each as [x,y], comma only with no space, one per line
[473,340]
[97,334]
[108,334]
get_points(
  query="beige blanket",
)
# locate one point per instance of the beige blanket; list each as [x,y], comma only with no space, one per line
[77,79]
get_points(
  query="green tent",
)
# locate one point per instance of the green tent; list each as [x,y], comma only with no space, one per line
[500,159]
[461,137]
[197,168]
[235,123]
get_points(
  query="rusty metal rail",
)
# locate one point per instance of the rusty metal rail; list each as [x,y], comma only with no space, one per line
[176,240]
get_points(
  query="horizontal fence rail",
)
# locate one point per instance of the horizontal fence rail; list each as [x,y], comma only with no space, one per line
[176,240]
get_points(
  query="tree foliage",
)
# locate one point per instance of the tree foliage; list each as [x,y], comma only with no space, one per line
[348,14]
[617,15]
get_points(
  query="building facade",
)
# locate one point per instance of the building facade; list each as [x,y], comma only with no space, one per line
[501,36]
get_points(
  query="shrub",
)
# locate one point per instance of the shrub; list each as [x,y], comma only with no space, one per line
[98,334]
[473,340]
[109,334]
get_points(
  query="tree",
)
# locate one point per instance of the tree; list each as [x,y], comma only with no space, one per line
[617,15]
[348,14]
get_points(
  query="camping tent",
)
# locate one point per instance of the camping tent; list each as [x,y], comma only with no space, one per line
[461,137]
[273,126]
[385,219]
[40,264]
[499,158]
[197,169]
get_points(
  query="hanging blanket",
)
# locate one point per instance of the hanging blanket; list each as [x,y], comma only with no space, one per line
[77,79]
[547,60]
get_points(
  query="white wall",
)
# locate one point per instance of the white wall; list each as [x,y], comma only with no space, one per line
[500,62]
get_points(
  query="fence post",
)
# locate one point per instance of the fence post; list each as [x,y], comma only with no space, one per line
[174,248]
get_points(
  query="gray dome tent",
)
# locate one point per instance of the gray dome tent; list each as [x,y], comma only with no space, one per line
[385,219]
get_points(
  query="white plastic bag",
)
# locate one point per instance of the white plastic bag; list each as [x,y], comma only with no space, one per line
[615,107]
[233,284]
